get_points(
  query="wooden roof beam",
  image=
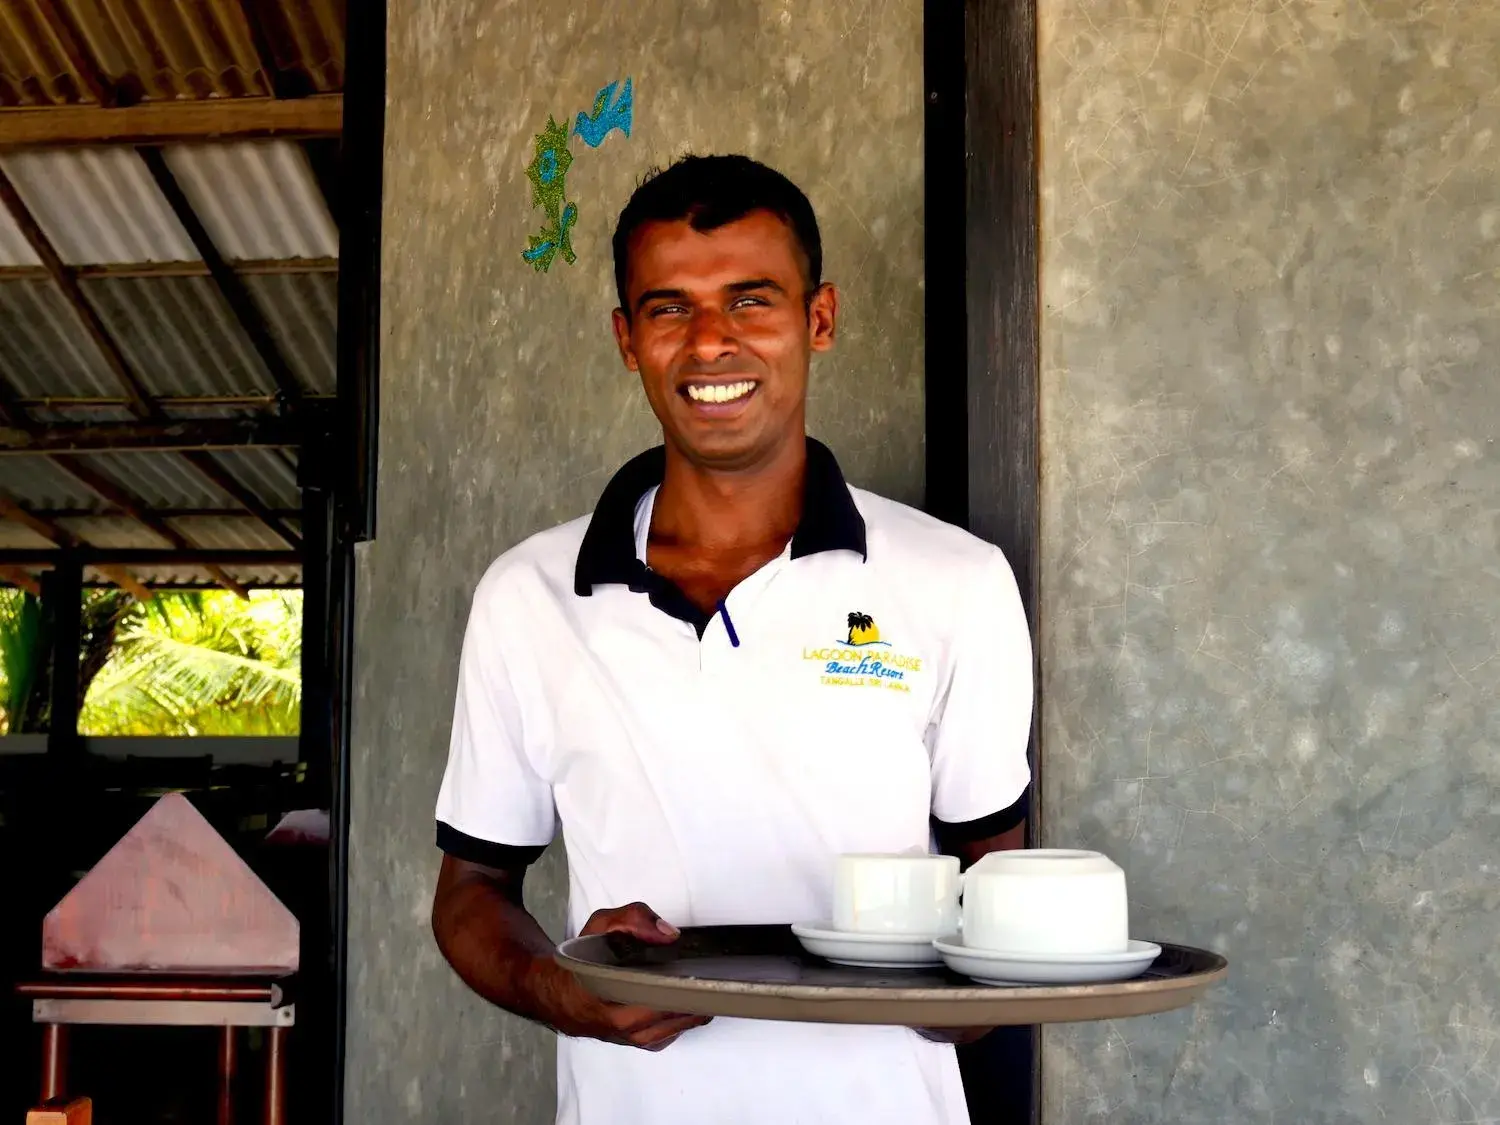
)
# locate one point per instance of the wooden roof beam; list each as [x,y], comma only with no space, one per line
[230,285]
[149,556]
[136,508]
[154,436]
[67,281]
[65,539]
[247,499]
[159,123]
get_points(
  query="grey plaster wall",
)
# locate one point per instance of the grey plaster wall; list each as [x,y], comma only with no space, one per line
[1271,587]
[504,407]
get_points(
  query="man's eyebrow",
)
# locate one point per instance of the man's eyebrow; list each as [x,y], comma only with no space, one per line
[659,295]
[755,283]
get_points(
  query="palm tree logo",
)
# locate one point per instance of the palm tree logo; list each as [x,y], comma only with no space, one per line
[862,629]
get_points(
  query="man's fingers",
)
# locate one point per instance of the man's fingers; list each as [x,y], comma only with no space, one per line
[636,919]
[631,1019]
[665,1032]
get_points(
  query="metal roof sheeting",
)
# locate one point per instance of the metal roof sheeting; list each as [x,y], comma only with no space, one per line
[302,312]
[34,65]
[37,483]
[179,336]
[14,249]
[169,577]
[264,472]
[160,480]
[44,349]
[160,49]
[229,533]
[98,205]
[306,39]
[257,199]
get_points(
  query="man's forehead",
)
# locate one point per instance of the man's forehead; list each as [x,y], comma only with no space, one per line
[672,254]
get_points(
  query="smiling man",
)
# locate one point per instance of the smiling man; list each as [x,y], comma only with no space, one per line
[735,670]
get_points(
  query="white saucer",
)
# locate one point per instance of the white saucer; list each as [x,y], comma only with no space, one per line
[989,966]
[867,951]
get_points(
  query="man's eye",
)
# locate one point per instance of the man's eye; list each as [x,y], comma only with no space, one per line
[667,310]
[749,302]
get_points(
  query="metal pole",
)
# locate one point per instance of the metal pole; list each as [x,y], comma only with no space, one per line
[276,1077]
[54,1061]
[62,597]
[227,1061]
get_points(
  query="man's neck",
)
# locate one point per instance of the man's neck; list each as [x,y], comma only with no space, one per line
[699,509]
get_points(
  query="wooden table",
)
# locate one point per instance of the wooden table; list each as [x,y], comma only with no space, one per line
[226,1003]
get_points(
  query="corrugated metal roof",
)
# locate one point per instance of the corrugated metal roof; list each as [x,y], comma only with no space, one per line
[157,49]
[264,472]
[43,347]
[117,532]
[14,249]
[179,336]
[165,49]
[14,536]
[37,483]
[306,38]
[257,199]
[34,66]
[302,312]
[98,205]
[162,480]
[229,533]
[167,577]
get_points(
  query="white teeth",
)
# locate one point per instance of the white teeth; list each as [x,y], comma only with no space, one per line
[720,392]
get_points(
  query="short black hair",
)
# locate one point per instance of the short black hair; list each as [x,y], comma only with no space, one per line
[714,191]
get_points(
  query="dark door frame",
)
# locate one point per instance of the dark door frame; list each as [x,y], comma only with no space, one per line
[983,365]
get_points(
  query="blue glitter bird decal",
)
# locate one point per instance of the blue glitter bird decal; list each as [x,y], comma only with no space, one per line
[606,117]
[555,238]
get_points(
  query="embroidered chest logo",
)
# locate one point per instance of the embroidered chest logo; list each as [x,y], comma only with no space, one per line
[863,658]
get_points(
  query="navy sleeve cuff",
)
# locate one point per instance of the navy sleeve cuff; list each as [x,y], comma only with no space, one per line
[487,853]
[966,832]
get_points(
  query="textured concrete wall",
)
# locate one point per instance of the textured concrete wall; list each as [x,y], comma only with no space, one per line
[1272,233]
[504,407]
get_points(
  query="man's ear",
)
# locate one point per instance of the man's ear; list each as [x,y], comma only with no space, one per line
[822,317]
[621,323]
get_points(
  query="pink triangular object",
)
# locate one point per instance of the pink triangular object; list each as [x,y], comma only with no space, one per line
[171,897]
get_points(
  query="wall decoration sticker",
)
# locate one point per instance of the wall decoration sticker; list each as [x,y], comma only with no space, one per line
[605,118]
[548,171]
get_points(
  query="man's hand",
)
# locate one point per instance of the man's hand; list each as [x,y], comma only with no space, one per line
[586,1016]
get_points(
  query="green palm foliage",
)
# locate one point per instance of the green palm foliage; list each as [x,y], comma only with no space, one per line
[184,663]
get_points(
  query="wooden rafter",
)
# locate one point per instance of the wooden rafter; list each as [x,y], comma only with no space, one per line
[169,403]
[157,123]
[62,537]
[230,285]
[252,503]
[137,509]
[67,281]
[165,436]
[113,271]
[22,579]
[150,556]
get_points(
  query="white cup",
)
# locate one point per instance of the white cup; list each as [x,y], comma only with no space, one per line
[1046,901]
[911,894]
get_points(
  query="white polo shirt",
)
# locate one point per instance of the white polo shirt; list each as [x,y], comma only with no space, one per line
[867,687]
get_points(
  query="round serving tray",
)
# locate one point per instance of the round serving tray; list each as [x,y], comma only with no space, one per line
[762,972]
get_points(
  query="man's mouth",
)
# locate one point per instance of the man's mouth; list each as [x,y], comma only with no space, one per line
[717,393]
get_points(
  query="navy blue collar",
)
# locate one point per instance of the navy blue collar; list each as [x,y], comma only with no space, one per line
[830,521]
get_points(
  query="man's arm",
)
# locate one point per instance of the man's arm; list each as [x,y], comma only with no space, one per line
[500,951]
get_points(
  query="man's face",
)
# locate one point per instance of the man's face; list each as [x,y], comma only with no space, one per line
[721,332]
